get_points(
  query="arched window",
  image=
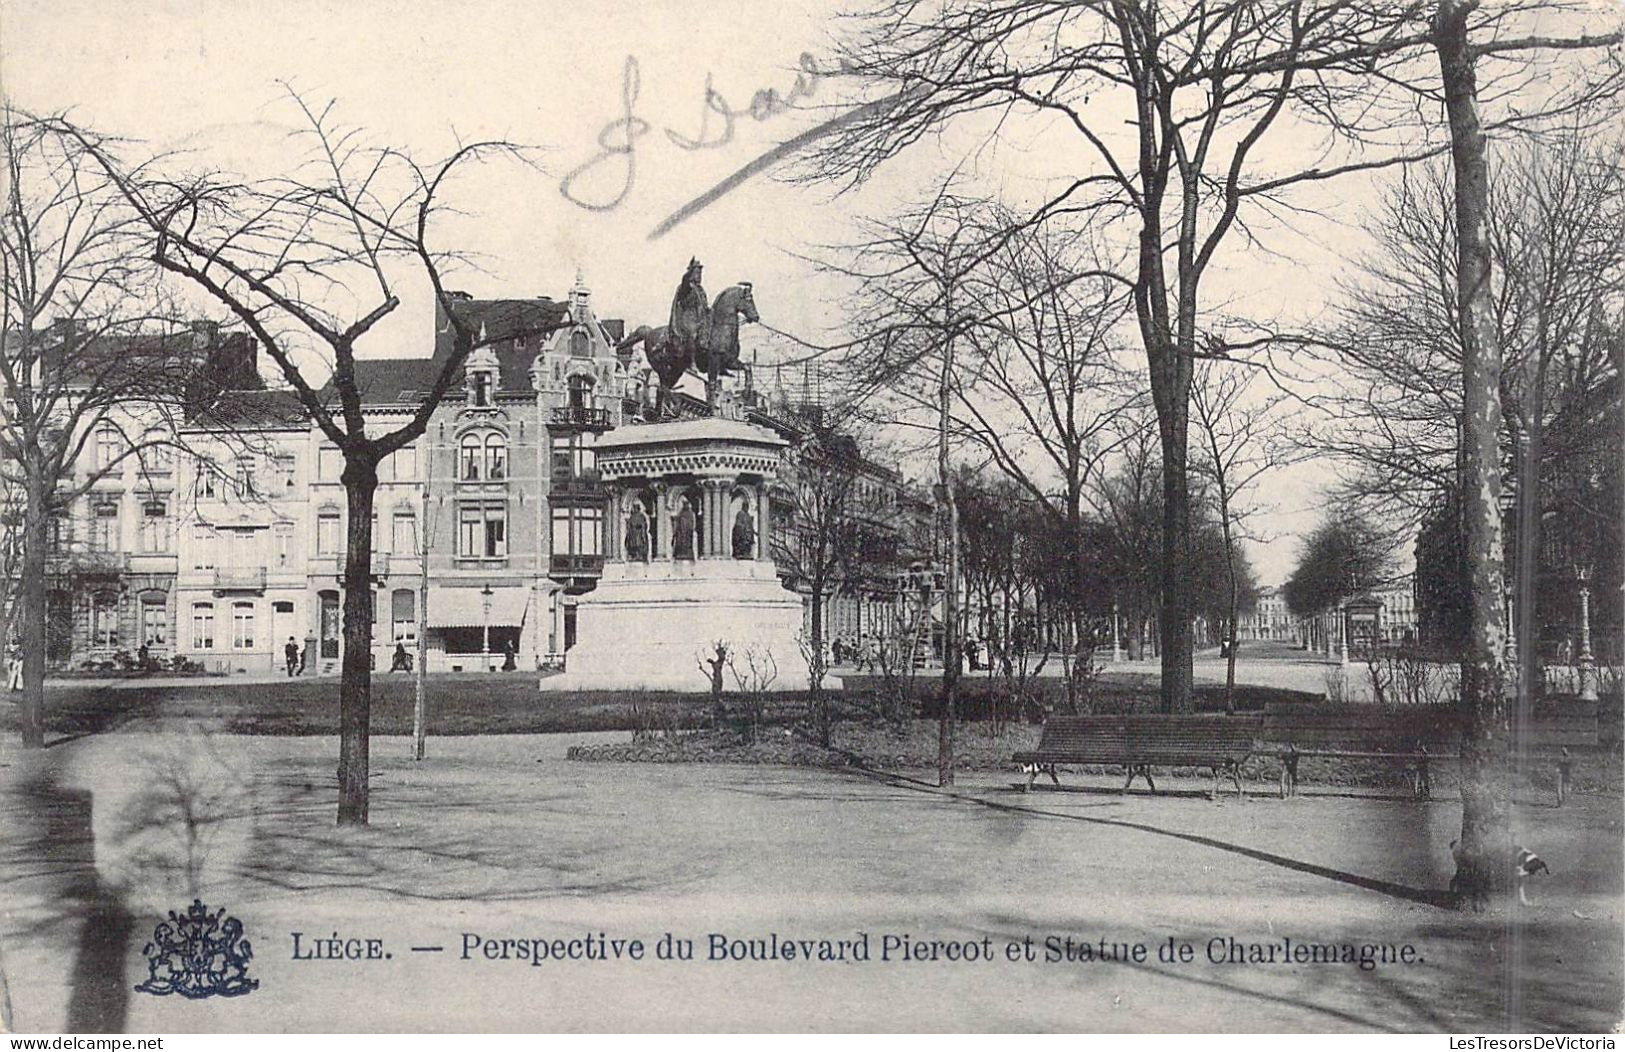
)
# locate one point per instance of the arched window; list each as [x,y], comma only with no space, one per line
[470,459]
[496,456]
[579,347]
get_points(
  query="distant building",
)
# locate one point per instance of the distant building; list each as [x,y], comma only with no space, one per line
[1269,620]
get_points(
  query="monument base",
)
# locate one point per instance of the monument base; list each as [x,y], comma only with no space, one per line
[651,626]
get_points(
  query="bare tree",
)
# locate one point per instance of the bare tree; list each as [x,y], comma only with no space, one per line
[85,348]
[1484,852]
[821,546]
[1241,440]
[1201,87]
[310,262]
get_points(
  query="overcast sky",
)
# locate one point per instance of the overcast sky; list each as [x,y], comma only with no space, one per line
[203,76]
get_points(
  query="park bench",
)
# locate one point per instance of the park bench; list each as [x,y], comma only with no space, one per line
[1416,737]
[1140,742]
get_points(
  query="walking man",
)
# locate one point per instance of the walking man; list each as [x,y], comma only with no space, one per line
[290,654]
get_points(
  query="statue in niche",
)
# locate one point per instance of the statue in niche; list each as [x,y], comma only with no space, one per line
[637,535]
[744,534]
[682,531]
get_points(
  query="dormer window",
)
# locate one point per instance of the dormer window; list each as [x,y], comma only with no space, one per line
[481,378]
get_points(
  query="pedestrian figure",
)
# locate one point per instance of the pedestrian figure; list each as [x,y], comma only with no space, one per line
[14,667]
[509,655]
[402,661]
[290,656]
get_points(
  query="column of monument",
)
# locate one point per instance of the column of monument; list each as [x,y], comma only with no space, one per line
[764,513]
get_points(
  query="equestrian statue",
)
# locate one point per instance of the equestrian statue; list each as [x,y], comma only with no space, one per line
[697,336]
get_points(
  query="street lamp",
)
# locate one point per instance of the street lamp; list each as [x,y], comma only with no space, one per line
[1587,672]
[1117,642]
[485,618]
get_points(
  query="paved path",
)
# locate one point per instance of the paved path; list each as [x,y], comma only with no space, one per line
[502,838]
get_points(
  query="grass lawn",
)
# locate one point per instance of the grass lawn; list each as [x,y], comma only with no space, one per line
[509,703]
[459,704]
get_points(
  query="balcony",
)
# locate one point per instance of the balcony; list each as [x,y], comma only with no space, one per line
[580,487]
[88,563]
[577,565]
[239,579]
[580,416]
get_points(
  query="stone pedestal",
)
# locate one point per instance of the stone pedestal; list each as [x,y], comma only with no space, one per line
[649,626]
[675,581]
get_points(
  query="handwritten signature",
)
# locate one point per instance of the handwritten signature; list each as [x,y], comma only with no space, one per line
[617,141]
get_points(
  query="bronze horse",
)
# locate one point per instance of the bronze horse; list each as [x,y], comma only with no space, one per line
[697,336]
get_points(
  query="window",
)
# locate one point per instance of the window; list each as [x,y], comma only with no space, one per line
[580,392]
[470,458]
[104,527]
[242,626]
[402,465]
[282,542]
[496,457]
[156,455]
[154,621]
[202,626]
[328,541]
[247,486]
[482,388]
[205,486]
[285,469]
[104,620]
[156,535]
[403,613]
[573,457]
[579,347]
[202,546]
[242,548]
[482,531]
[578,531]
[60,532]
[107,447]
[329,464]
[404,531]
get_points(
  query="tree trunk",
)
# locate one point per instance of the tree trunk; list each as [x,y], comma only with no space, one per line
[950,639]
[1483,855]
[355,671]
[1175,622]
[1235,603]
[35,615]
[1527,561]
[815,664]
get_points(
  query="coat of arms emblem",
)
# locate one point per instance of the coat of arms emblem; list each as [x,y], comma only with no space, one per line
[198,954]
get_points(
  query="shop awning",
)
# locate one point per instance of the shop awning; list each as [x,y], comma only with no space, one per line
[465,607]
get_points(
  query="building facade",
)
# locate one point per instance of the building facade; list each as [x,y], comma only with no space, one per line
[224,546]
